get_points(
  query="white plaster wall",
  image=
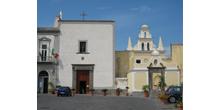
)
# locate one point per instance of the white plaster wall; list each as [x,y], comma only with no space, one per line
[122,83]
[100,39]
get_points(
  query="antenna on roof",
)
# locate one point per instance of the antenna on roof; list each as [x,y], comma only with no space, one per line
[83,14]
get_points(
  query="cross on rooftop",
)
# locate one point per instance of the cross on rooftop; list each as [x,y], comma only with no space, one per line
[83,14]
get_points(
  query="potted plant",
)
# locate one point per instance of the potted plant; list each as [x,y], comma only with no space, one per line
[146,89]
[73,92]
[104,92]
[179,105]
[118,90]
[127,90]
[163,97]
[91,91]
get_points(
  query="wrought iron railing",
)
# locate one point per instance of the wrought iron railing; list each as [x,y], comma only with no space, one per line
[46,59]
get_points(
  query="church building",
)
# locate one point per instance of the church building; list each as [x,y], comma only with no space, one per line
[78,54]
[143,63]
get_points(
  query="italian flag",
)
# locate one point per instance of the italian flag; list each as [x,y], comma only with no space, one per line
[56,55]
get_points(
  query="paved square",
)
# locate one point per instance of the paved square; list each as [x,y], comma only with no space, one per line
[51,102]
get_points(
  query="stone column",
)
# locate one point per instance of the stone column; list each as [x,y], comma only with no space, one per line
[162,75]
[74,79]
[150,79]
[90,79]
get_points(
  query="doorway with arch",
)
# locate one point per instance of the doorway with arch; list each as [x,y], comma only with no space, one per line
[43,82]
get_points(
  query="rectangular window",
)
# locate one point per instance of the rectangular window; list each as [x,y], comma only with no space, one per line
[82,47]
[138,61]
[44,46]
[43,52]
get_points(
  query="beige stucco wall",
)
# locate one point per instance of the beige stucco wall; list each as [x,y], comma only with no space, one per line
[171,78]
[177,53]
[140,80]
[176,58]
[121,63]
[143,56]
[129,76]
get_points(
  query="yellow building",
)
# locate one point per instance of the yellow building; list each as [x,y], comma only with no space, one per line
[143,63]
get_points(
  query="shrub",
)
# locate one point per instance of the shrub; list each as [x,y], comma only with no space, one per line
[145,87]
[162,83]
[163,96]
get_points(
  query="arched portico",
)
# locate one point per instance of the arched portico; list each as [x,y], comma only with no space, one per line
[43,82]
[151,71]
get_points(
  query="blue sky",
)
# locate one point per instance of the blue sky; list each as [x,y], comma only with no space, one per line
[164,17]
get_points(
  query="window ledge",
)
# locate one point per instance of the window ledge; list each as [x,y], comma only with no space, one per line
[82,53]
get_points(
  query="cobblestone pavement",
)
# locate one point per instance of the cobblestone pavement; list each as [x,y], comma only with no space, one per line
[81,102]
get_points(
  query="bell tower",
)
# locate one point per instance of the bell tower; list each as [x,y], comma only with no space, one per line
[144,32]
[145,42]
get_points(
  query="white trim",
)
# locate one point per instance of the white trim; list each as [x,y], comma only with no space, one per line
[122,78]
[133,79]
[133,84]
[137,90]
[178,72]
[138,69]
[168,68]
[165,75]
[147,78]
[171,68]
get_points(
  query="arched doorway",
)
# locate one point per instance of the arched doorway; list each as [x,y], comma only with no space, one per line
[43,82]
[154,74]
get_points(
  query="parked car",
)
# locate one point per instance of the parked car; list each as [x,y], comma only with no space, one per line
[174,93]
[63,91]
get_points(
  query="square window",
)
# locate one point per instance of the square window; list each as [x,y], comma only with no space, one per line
[138,61]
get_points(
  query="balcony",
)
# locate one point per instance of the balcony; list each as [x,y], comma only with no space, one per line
[47,59]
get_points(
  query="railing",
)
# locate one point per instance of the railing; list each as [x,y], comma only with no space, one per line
[46,59]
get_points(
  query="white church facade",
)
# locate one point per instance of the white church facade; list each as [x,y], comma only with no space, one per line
[82,52]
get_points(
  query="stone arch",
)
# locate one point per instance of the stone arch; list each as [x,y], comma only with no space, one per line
[142,46]
[43,78]
[148,46]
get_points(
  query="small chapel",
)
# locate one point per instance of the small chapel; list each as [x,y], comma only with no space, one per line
[144,63]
